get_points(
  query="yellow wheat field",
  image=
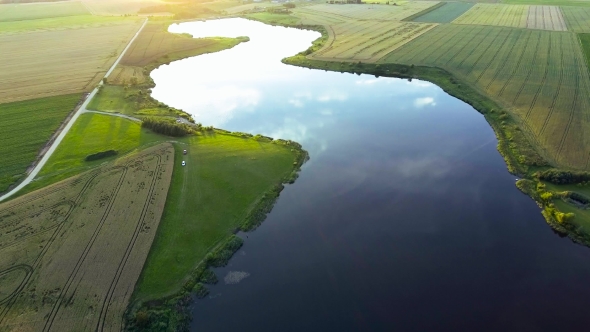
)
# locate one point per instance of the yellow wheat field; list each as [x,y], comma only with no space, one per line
[48,63]
[71,253]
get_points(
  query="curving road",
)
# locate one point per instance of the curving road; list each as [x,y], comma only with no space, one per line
[114,114]
[62,134]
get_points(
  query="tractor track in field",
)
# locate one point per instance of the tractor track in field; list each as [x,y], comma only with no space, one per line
[496,54]
[528,113]
[65,289]
[518,65]
[25,281]
[121,267]
[554,101]
[571,117]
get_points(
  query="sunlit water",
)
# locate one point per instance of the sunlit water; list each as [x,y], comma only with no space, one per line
[404,219]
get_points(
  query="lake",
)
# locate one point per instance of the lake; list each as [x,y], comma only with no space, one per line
[405,218]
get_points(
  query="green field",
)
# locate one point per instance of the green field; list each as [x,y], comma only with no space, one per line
[369,41]
[26,126]
[444,14]
[585,41]
[495,14]
[577,19]
[577,3]
[538,75]
[22,12]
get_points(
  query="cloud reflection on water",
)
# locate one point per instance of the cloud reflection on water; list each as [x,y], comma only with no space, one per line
[424,101]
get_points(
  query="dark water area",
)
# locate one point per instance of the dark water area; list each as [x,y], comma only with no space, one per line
[404,219]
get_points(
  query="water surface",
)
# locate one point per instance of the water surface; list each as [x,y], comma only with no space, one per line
[404,219]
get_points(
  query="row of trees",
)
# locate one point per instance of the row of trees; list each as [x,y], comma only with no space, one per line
[563,177]
[167,127]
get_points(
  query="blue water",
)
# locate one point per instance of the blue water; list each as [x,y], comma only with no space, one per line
[404,219]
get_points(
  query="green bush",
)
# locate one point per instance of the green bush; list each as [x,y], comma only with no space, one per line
[563,177]
[100,155]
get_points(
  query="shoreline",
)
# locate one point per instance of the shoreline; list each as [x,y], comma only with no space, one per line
[522,157]
[174,309]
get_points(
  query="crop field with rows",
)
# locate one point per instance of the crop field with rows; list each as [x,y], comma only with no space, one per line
[577,19]
[368,12]
[545,18]
[369,41]
[444,14]
[39,119]
[495,14]
[21,12]
[312,17]
[541,76]
[49,63]
[71,253]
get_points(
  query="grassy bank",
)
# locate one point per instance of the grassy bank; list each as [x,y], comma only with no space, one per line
[26,127]
[209,199]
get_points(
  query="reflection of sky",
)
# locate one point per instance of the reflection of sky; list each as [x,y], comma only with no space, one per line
[405,210]
[219,87]
[409,128]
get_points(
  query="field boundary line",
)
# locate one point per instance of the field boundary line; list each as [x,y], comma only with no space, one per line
[69,125]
